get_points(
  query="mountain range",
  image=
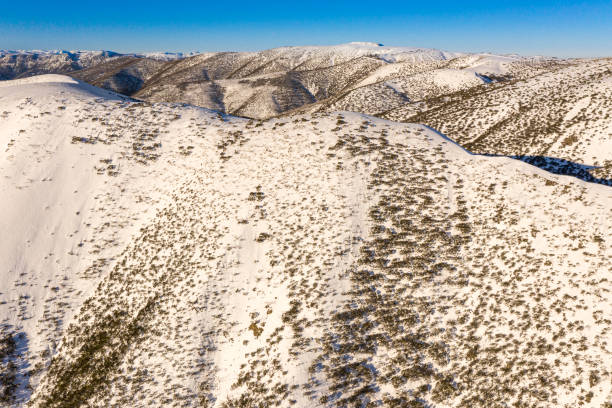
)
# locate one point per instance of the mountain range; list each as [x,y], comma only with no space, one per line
[343,226]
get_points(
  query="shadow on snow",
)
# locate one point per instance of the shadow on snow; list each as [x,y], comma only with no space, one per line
[561,167]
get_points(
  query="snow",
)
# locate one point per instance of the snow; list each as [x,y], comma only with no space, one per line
[203,229]
[361,49]
[158,55]
[491,64]
[580,105]
[40,79]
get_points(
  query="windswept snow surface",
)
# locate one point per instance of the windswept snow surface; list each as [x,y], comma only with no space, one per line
[158,255]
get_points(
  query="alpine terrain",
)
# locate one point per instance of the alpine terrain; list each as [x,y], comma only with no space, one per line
[343,226]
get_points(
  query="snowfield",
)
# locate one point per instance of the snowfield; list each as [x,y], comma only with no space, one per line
[165,255]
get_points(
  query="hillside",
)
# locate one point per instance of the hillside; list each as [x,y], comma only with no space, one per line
[23,64]
[563,113]
[161,254]
[347,77]
[256,84]
[363,77]
[406,86]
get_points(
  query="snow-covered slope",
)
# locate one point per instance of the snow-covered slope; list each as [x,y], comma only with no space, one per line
[166,255]
[18,64]
[360,76]
[74,187]
[85,55]
[357,76]
[266,83]
[21,63]
[564,112]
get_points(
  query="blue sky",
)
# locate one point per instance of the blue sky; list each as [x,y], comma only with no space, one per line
[559,28]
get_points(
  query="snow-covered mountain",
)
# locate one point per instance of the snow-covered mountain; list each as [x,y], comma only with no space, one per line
[361,76]
[21,63]
[267,83]
[162,254]
[562,112]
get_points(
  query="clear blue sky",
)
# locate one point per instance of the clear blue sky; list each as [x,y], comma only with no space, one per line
[560,28]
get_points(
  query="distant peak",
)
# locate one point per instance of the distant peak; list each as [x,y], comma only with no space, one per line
[366,43]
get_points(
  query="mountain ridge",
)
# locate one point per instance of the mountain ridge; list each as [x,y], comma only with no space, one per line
[322,226]
[168,255]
